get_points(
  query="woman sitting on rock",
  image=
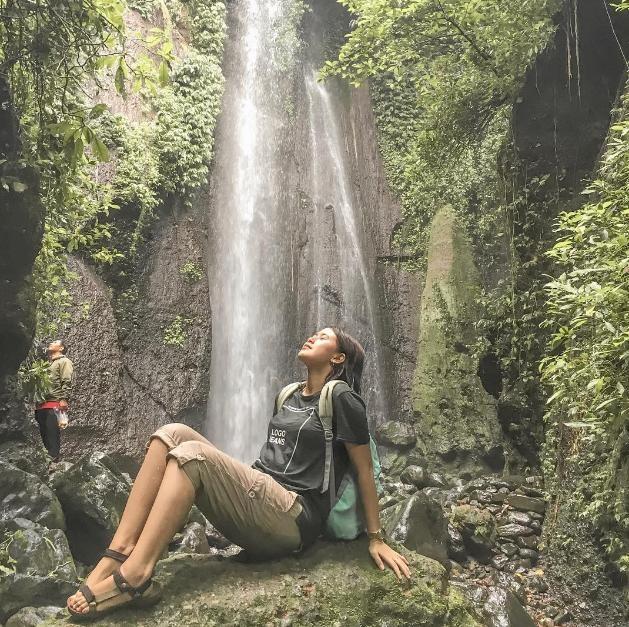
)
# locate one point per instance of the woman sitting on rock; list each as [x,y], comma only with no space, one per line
[271,509]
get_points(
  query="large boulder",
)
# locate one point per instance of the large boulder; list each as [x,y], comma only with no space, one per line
[332,583]
[36,567]
[418,523]
[26,457]
[456,419]
[34,616]
[396,434]
[500,607]
[478,528]
[23,495]
[93,493]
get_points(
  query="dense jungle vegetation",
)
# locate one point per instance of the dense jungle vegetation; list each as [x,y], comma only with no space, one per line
[444,75]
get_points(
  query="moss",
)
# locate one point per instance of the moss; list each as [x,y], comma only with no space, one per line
[448,399]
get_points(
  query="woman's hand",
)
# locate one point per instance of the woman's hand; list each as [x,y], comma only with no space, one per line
[383,554]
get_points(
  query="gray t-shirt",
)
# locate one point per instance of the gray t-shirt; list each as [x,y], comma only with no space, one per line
[294,452]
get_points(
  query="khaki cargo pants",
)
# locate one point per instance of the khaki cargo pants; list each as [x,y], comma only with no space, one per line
[247,506]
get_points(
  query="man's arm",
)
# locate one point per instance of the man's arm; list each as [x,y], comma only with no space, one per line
[66,372]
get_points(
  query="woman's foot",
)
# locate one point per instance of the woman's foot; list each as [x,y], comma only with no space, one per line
[110,593]
[105,567]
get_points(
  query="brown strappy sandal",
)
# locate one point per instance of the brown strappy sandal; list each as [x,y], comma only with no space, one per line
[145,595]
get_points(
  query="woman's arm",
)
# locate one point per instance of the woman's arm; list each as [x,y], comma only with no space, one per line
[360,455]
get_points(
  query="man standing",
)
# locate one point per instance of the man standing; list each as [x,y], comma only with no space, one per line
[60,377]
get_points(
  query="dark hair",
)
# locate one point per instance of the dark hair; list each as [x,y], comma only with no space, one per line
[351,370]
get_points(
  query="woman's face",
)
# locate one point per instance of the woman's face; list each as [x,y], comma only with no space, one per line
[320,348]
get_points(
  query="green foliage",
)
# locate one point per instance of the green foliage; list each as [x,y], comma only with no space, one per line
[7,561]
[191,272]
[587,365]
[106,217]
[35,380]
[176,333]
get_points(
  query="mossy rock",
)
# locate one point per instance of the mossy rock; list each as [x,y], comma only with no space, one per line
[330,584]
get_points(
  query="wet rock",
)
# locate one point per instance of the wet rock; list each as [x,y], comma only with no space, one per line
[399,488]
[519,518]
[192,540]
[536,526]
[215,538]
[393,463]
[499,497]
[456,546]
[562,617]
[478,527]
[38,563]
[26,457]
[415,475]
[33,616]
[93,494]
[527,503]
[512,530]
[537,583]
[529,553]
[418,523]
[329,584]
[23,495]
[503,609]
[397,434]
[386,501]
[499,561]
[481,496]
[509,549]
[436,480]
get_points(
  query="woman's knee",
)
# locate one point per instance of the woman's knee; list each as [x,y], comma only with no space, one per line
[176,433]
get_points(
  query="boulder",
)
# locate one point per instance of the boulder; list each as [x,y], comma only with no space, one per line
[512,531]
[331,583]
[192,540]
[93,494]
[503,609]
[415,475]
[396,434]
[478,528]
[500,607]
[33,616]
[527,503]
[36,566]
[456,546]
[27,457]
[23,495]
[419,524]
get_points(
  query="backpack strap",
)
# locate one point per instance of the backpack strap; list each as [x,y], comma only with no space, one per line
[326,411]
[286,392]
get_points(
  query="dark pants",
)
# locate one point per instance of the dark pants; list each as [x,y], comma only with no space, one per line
[49,429]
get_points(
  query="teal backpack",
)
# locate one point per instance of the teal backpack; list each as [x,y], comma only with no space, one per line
[346,520]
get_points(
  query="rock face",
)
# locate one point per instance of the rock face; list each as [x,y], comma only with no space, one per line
[37,565]
[396,434]
[418,523]
[93,494]
[23,495]
[330,584]
[128,381]
[456,419]
[22,220]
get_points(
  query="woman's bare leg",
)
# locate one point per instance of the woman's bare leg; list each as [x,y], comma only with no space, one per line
[170,508]
[136,511]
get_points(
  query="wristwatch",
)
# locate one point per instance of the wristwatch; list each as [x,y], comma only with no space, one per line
[377,535]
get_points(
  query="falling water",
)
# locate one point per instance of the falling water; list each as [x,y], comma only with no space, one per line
[253,227]
[249,253]
[332,192]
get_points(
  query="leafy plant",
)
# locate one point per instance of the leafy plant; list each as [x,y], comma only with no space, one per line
[176,334]
[191,272]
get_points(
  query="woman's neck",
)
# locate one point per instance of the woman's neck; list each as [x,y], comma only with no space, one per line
[316,380]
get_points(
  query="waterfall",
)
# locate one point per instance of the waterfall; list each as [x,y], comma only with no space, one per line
[250,258]
[356,309]
[260,169]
